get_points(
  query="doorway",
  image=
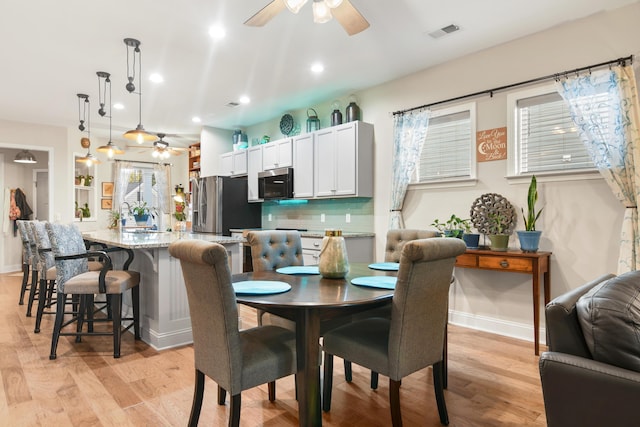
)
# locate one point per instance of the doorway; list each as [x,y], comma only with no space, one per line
[41,194]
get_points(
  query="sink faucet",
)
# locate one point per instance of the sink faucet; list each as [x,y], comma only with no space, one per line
[128,211]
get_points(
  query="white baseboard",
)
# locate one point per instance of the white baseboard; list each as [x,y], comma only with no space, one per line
[520,331]
[167,340]
[11,269]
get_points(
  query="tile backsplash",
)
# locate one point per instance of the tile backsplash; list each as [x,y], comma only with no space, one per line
[310,215]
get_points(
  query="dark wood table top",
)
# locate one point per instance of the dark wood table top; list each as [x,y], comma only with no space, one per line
[314,290]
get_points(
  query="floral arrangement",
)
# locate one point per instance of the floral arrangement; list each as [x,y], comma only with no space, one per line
[180,204]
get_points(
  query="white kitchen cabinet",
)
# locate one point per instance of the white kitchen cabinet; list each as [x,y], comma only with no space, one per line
[303,166]
[233,163]
[359,249]
[254,166]
[277,154]
[343,161]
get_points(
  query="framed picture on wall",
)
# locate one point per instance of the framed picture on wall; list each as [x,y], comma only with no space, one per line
[107,190]
[106,204]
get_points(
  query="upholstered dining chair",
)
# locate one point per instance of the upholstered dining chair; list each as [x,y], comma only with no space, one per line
[413,337]
[270,250]
[74,278]
[396,239]
[27,262]
[236,360]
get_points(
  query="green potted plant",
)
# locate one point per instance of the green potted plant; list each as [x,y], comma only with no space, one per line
[453,227]
[88,179]
[472,240]
[114,218]
[530,237]
[141,213]
[499,231]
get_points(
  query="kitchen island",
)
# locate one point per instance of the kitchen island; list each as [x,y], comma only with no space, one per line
[164,309]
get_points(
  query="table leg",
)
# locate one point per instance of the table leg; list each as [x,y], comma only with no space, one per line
[308,377]
[536,307]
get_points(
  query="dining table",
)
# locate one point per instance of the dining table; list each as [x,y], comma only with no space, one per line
[312,300]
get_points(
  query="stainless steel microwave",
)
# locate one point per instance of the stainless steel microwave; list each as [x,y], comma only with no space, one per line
[275,184]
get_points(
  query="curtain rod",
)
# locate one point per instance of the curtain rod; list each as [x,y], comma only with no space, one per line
[142,161]
[490,92]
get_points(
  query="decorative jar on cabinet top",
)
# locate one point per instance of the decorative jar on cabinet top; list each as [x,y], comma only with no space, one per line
[333,255]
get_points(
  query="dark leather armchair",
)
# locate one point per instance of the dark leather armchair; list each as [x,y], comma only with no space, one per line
[580,391]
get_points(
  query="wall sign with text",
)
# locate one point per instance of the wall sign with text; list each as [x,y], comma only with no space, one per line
[491,144]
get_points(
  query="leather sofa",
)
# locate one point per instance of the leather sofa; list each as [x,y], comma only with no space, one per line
[578,390]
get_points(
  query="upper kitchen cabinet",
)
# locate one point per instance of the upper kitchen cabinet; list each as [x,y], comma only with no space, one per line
[233,163]
[277,154]
[254,166]
[343,161]
[303,166]
[85,194]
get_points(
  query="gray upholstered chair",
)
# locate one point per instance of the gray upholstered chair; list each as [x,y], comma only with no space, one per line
[396,239]
[236,360]
[414,336]
[593,381]
[27,263]
[74,278]
[270,250]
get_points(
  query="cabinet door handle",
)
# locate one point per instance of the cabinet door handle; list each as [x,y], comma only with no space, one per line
[504,263]
[316,244]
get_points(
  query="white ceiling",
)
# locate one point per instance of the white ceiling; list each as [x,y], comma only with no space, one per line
[52,50]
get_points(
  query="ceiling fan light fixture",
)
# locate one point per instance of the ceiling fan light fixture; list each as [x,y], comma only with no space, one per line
[332,4]
[25,156]
[294,5]
[321,12]
[89,159]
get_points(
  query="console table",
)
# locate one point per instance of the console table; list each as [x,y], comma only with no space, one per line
[515,261]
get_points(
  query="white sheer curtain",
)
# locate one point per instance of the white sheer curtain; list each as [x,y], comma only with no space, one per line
[121,173]
[613,141]
[409,133]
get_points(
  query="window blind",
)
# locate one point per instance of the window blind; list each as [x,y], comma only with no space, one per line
[548,137]
[446,151]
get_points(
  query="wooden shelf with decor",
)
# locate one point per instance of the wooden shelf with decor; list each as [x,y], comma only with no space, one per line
[194,162]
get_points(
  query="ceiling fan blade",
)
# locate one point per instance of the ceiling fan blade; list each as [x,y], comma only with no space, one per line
[265,14]
[349,17]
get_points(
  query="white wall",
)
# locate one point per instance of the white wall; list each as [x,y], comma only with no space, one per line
[581,220]
[213,142]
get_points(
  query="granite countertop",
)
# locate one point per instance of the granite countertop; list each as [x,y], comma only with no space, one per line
[311,233]
[152,239]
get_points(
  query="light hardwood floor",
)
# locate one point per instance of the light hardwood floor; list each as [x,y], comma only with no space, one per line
[493,381]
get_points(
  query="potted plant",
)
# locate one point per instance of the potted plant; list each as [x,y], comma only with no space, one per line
[88,180]
[499,226]
[114,218]
[530,237]
[472,240]
[453,227]
[141,213]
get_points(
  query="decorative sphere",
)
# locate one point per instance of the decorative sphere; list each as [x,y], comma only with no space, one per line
[130,87]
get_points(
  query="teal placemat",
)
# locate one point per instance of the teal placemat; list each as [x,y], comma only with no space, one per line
[382,282]
[299,269]
[260,287]
[386,266]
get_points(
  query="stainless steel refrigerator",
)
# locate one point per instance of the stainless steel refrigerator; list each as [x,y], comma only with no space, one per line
[219,203]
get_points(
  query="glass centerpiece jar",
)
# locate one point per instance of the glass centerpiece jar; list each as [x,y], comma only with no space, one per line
[333,255]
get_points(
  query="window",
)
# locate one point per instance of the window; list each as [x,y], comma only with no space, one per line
[448,153]
[141,186]
[542,135]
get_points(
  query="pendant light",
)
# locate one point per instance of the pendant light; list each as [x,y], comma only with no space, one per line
[138,134]
[25,156]
[110,148]
[84,111]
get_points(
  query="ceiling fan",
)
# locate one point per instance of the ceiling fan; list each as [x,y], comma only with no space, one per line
[161,148]
[344,12]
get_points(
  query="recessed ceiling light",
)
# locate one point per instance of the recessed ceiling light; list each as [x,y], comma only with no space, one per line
[317,68]
[244,99]
[196,120]
[156,78]
[217,32]
[118,106]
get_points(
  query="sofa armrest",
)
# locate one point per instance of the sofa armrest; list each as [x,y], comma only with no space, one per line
[583,392]
[564,333]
